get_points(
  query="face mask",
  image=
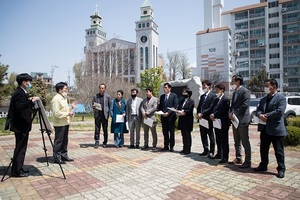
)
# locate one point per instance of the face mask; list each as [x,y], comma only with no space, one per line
[133,96]
[233,86]
[267,90]
[204,90]
[29,86]
[185,96]
[218,95]
[64,94]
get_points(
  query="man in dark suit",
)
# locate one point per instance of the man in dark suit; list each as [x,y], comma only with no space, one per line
[240,108]
[19,121]
[205,108]
[271,113]
[168,100]
[186,120]
[220,111]
[134,118]
[101,114]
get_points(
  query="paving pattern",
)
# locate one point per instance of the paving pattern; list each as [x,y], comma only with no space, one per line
[123,173]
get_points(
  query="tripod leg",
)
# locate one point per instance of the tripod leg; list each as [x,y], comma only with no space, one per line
[45,149]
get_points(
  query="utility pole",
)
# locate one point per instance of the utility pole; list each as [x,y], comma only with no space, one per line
[52,73]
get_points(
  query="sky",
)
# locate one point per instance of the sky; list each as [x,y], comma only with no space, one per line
[37,35]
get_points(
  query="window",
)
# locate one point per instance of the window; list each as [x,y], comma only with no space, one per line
[294,101]
[274,35]
[140,26]
[145,12]
[147,57]
[273,4]
[141,58]
[271,15]
[274,25]
[275,76]
[275,66]
[276,55]
[276,45]
[242,15]
[143,25]
[148,24]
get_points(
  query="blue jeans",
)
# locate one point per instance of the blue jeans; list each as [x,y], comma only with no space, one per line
[118,139]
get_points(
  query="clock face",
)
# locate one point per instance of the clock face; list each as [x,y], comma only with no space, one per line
[144,39]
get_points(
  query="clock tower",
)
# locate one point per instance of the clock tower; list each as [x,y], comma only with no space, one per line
[146,40]
[95,36]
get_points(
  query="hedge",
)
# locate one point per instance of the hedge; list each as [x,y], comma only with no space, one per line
[294,121]
[293,138]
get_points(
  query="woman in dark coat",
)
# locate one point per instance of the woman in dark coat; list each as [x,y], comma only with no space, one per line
[186,120]
[117,111]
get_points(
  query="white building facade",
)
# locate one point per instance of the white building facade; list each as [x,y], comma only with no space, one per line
[265,35]
[122,59]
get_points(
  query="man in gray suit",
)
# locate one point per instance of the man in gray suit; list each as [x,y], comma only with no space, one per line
[240,108]
[101,104]
[271,112]
[134,118]
[148,108]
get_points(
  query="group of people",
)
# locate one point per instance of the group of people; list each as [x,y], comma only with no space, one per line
[215,113]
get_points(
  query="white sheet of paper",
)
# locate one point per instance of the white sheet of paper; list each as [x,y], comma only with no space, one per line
[235,121]
[119,119]
[148,121]
[97,106]
[204,123]
[217,124]
[159,112]
[259,121]
[172,109]
[127,125]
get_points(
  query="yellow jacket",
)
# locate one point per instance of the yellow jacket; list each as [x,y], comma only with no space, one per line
[60,110]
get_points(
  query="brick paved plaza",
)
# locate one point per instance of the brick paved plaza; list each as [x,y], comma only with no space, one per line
[123,173]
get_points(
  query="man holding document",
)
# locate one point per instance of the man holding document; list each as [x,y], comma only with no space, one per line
[221,123]
[148,108]
[101,104]
[240,117]
[204,110]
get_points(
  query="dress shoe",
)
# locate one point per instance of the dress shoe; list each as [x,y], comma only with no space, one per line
[236,161]
[203,154]
[59,161]
[171,150]
[20,175]
[223,160]
[210,155]
[25,170]
[145,147]
[137,146]
[96,144]
[245,165]
[120,146]
[260,169]
[104,145]
[280,174]
[131,146]
[217,156]
[67,159]
[165,149]
[186,152]
[181,152]
[154,149]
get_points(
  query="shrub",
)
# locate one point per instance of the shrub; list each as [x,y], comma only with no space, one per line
[294,121]
[293,138]
[2,123]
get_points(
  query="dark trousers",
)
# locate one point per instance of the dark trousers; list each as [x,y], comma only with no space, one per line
[187,140]
[98,121]
[20,149]
[168,126]
[241,134]
[222,142]
[60,146]
[204,132]
[278,145]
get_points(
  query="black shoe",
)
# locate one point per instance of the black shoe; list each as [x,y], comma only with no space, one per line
[236,161]
[186,152]
[182,151]
[171,150]
[203,153]
[137,146]
[21,175]
[145,147]
[131,146]
[210,155]
[280,174]
[223,160]
[217,156]
[67,159]
[260,169]
[59,161]
[165,149]
[245,165]
[96,144]
[104,146]
[26,171]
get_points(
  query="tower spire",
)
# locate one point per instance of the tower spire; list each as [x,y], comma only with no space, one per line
[96,11]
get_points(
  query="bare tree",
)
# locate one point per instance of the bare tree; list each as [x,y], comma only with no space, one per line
[178,65]
[215,78]
[173,58]
[183,66]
